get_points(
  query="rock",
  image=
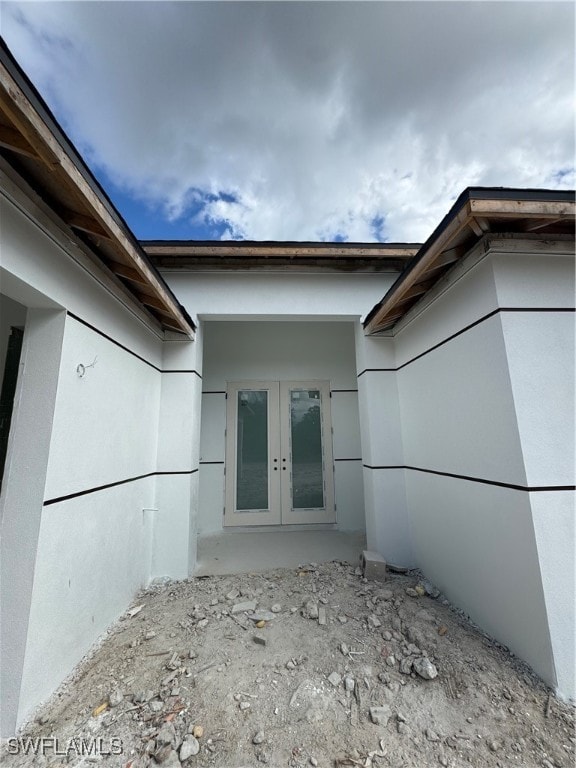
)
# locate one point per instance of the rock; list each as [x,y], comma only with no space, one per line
[276,608]
[411,592]
[402,728]
[190,746]
[135,611]
[380,715]
[197,731]
[349,683]
[431,590]
[259,640]
[167,735]
[313,762]
[442,630]
[192,654]
[167,679]
[202,623]
[249,605]
[424,668]
[260,624]
[419,589]
[290,665]
[149,635]
[258,616]
[143,696]
[391,660]
[258,738]
[494,746]
[344,649]
[406,666]
[163,754]
[387,635]
[322,616]
[310,610]
[335,679]
[156,706]
[374,621]
[172,761]
[244,705]
[342,619]
[232,595]
[401,717]
[115,698]
[431,735]
[443,760]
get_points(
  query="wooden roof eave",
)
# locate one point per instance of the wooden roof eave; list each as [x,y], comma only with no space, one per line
[472,221]
[29,135]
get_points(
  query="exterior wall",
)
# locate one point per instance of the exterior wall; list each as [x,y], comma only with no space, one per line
[486,427]
[280,351]
[87,463]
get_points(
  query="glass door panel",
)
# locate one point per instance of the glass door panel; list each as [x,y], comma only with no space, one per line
[252,495]
[306,445]
[252,450]
[306,454]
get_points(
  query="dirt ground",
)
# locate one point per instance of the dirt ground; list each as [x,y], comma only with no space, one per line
[332,677]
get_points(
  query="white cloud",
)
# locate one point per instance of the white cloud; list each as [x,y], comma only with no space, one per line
[359,120]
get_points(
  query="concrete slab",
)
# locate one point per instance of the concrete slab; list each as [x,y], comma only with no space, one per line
[251,552]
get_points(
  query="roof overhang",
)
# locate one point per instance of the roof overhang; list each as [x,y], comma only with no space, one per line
[242,255]
[476,212]
[36,148]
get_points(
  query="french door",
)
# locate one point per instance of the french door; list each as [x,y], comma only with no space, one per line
[279,464]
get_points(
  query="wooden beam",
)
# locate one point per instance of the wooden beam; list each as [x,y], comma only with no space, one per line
[533,225]
[285,250]
[13,139]
[11,103]
[153,302]
[122,270]
[85,223]
[475,227]
[499,208]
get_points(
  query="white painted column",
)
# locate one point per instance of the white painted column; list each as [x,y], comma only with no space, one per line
[174,521]
[23,495]
[387,528]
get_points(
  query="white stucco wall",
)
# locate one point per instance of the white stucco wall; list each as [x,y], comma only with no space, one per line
[281,351]
[130,483]
[494,404]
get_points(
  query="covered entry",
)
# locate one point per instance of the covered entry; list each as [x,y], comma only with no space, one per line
[279,453]
[280,434]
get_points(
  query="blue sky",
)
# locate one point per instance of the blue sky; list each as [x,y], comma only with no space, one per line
[357,121]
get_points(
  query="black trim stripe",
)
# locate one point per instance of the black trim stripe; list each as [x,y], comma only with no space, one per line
[343,390]
[513,486]
[69,496]
[467,328]
[202,463]
[127,349]
[348,459]
[213,391]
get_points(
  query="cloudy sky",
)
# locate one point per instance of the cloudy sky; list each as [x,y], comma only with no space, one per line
[354,121]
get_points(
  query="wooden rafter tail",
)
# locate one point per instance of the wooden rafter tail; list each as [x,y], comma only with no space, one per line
[12,139]
[85,223]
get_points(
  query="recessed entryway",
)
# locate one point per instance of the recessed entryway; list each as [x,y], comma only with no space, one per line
[279,463]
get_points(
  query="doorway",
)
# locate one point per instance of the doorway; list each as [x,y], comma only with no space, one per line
[279,461]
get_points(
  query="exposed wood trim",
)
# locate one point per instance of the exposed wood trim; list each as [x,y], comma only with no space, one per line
[13,139]
[12,101]
[532,226]
[24,116]
[152,301]
[418,289]
[475,227]
[454,227]
[257,250]
[499,208]
[85,223]
[122,270]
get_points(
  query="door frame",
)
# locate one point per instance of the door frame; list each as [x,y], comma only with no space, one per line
[280,511]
